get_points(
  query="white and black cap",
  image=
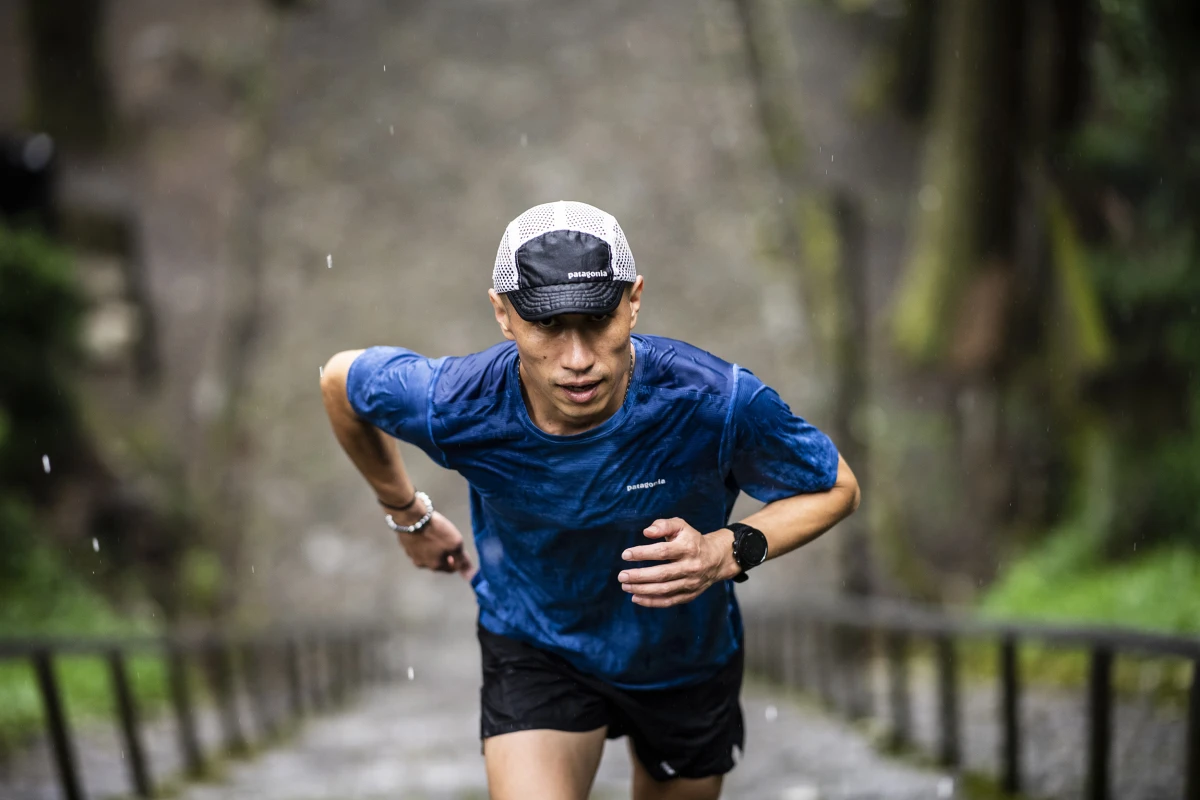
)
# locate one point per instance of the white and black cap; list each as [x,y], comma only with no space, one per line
[563,258]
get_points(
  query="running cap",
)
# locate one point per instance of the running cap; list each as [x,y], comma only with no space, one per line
[563,258]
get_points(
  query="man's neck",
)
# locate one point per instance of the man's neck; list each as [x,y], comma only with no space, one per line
[543,413]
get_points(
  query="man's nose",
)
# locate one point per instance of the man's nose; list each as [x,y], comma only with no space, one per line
[579,356]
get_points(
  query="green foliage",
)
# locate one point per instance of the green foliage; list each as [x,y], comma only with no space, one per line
[1136,162]
[1067,580]
[40,313]
[46,598]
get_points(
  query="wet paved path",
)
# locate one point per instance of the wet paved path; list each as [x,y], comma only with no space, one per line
[419,739]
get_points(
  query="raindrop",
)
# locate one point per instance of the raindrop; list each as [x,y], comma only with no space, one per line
[392,130]
[95,545]
[251,569]
[411,673]
[945,787]
[385,67]
[329,261]
[772,713]
[524,140]
[46,464]
[321,371]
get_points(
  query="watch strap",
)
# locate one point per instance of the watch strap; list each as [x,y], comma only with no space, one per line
[740,530]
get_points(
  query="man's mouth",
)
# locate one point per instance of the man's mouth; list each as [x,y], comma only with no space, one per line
[582,392]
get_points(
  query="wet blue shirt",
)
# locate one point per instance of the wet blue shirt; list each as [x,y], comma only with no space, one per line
[552,514]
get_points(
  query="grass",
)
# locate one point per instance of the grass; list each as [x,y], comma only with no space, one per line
[48,600]
[1158,591]
[1062,582]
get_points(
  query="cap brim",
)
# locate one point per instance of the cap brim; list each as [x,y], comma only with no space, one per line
[534,303]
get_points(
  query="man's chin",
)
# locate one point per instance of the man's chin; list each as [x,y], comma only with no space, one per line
[583,411]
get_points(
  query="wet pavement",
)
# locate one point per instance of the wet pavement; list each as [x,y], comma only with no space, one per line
[419,739]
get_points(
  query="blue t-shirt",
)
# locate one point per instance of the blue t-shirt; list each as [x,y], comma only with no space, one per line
[552,514]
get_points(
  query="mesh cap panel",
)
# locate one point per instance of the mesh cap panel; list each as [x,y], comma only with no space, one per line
[563,215]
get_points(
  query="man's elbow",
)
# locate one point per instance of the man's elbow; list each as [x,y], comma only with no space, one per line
[848,483]
[855,498]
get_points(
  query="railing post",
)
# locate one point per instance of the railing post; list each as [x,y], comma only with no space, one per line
[335,656]
[128,720]
[950,751]
[820,640]
[221,680]
[1191,758]
[1010,702]
[1100,722]
[356,662]
[294,678]
[181,700]
[788,649]
[57,726]
[750,637]
[897,656]
[318,683]
[252,667]
[774,640]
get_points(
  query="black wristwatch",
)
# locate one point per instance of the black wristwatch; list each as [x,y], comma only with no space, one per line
[749,548]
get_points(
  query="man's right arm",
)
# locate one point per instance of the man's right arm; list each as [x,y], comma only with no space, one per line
[370,449]
[439,545]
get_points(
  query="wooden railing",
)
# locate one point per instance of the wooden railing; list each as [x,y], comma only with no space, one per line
[800,646]
[315,669]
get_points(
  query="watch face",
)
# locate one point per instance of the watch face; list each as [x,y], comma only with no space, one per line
[752,549]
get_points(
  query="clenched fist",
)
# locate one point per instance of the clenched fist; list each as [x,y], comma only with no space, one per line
[437,546]
[695,561]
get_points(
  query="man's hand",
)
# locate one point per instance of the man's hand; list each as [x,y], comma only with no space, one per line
[697,561]
[438,546]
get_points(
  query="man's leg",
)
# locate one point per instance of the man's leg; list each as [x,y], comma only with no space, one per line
[554,765]
[646,788]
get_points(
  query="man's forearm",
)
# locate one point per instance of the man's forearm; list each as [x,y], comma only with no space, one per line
[796,521]
[373,452]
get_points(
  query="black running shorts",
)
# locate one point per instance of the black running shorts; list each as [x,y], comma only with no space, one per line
[678,732]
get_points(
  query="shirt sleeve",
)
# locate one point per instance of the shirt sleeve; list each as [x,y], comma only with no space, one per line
[389,387]
[776,453]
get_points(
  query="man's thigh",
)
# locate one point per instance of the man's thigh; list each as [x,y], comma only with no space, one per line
[645,787]
[555,765]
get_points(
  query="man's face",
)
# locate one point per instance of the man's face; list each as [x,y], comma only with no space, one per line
[575,361]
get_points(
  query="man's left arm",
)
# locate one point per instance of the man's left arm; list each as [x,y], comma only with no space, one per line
[696,561]
[778,458]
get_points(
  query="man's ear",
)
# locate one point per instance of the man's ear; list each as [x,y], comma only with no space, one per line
[635,300]
[500,308]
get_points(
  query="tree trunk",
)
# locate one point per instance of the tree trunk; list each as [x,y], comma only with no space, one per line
[71,95]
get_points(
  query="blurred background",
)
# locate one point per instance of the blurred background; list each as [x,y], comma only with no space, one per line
[961,237]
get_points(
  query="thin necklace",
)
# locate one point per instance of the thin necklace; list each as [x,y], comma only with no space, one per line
[628,383]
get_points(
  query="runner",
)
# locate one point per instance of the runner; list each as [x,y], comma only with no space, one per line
[603,467]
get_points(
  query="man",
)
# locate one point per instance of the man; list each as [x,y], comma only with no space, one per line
[603,467]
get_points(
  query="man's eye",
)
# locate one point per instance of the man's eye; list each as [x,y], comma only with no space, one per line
[547,324]
[601,317]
